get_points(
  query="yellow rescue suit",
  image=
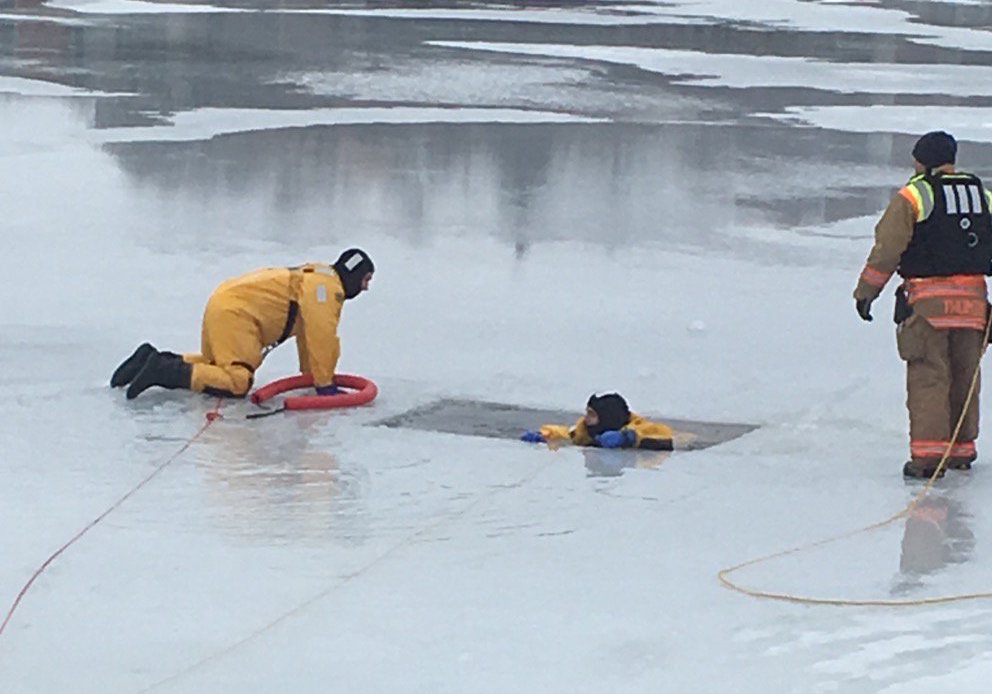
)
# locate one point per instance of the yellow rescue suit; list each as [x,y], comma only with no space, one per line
[248,316]
[652,435]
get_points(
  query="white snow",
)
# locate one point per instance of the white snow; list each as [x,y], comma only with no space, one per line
[970,122]
[113,7]
[35,87]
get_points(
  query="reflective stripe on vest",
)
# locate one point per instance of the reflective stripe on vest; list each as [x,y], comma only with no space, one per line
[920,196]
[963,199]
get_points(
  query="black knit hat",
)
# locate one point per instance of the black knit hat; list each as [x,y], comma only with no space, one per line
[935,148]
[612,411]
[352,266]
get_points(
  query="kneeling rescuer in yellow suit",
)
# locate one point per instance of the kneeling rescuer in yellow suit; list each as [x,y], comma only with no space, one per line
[248,316]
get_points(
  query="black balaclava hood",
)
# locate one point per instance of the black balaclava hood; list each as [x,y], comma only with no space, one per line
[352,266]
[612,410]
[935,148]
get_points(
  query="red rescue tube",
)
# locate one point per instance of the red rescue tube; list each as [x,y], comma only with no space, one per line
[362,391]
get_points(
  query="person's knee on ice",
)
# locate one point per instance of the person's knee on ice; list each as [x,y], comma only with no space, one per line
[227,381]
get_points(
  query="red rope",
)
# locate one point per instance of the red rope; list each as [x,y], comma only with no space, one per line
[212,416]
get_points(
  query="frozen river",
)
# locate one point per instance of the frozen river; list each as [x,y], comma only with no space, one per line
[672,200]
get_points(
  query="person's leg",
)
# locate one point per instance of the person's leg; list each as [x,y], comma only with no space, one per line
[229,381]
[232,350]
[928,378]
[965,355]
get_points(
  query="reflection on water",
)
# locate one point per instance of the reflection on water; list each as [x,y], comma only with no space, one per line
[602,462]
[277,483]
[687,185]
[684,165]
[936,534]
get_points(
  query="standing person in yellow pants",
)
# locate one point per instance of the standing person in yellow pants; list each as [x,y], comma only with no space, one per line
[248,316]
[937,234]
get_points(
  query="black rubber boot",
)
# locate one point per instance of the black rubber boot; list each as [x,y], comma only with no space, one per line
[165,370]
[960,463]
[130,367]
[916,469]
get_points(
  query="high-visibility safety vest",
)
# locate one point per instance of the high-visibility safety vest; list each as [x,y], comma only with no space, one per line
[953,230]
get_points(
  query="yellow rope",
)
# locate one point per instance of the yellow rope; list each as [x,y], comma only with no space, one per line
[787,597]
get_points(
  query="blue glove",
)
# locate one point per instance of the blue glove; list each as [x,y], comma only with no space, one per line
[329,390]
[533,437]
[625,438]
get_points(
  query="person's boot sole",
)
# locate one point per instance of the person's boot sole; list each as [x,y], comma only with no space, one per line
[131,366]
[145,379]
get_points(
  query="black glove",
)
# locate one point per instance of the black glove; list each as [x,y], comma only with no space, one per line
[863,307]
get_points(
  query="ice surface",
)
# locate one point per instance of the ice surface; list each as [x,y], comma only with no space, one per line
[202,124]
[970,122]
[727,69]
[520,262]
[138,7]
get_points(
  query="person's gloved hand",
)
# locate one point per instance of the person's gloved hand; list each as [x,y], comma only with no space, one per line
[329,390]
[625,438]
[533,437]
[863,307]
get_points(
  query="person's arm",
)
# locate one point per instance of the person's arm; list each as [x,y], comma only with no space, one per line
[893,233]
[651,436]
[303,353]
[579,434]
[317,342]
[639,433]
